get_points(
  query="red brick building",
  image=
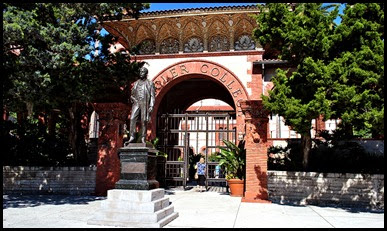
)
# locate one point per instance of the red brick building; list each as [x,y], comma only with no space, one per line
[191,55]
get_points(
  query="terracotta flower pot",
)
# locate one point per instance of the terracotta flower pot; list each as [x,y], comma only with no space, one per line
[236,187]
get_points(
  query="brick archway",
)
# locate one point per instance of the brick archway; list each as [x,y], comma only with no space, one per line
[184,70]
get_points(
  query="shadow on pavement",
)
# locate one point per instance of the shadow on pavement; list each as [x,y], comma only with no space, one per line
[22,201]
[348,208]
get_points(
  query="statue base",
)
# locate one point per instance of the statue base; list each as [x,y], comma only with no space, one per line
[135,209]
[138,167]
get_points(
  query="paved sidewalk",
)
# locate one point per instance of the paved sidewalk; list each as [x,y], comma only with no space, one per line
[196,210]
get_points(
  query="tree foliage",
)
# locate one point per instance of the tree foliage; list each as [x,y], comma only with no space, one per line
[303,37]
[339,68]
[53,40]
[358,77]
[46,66]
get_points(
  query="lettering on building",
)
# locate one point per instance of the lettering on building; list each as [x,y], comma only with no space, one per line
[221,75]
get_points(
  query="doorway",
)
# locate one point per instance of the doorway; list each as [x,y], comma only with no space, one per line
[187,137]
[186,132]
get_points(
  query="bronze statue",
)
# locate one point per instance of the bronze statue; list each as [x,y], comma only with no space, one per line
[143,99]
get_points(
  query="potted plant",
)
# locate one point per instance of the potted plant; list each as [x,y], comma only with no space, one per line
[213,157]
[233,159]
[154,143]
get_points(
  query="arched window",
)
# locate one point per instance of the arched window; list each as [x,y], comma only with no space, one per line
[219,43]
[147,47]
[193,44]
[169,46]
[244,42]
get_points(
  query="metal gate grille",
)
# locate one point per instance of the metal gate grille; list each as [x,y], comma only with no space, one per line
[183,136]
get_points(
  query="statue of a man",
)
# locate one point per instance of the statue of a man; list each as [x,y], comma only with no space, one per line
[143,99]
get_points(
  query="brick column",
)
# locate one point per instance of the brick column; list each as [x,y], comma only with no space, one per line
[255,71]
[112,117]
[320,124]
[256,151]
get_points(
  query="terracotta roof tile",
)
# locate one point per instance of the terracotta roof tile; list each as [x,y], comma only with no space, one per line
[198,10]
[273,61]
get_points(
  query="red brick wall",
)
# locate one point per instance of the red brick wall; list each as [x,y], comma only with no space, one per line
[256,77]
[256,151]
[320,124]
[112,117]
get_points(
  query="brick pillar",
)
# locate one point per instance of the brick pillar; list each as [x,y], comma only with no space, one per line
[112,117]
[255,71]
[256,151]
[320,124]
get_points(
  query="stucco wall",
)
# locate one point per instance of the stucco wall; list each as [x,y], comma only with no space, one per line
[49,180]
[357,190]
[237,64]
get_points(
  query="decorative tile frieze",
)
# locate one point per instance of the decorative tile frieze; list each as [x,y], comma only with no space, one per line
[244,42]
[212,32]
[147,47]
[193,44]
[219,43]
[169,46]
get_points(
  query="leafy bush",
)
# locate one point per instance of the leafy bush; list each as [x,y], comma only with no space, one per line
[345,157]
[213,157]
[29,144]
[330,155]
[155,145]
[287,158]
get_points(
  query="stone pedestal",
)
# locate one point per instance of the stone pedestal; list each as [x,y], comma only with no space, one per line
[138,167]
[135,208]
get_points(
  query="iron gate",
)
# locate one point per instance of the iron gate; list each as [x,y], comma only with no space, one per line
[185,137]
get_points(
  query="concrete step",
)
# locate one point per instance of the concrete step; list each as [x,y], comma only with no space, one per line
[162,213]
[135,195]
[132,206]
[167,219]
[129,224]
[132,216]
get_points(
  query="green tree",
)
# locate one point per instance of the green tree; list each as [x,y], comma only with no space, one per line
[301,34]
[358,77]
[45,48]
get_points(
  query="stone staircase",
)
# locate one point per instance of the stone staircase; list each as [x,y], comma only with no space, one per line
[135,208]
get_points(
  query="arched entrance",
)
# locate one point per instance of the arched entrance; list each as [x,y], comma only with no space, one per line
[201,70]
[178,87]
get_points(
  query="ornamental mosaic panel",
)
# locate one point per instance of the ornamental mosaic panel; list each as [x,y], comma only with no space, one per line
[169,46]
[191,29]
[210,27]
[193,44]
[166,31]
[244,42]
[219,43]
[143,33]
[217,27]
[147,47]
[243,26]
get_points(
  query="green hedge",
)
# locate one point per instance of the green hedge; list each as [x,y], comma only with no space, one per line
[340,157]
